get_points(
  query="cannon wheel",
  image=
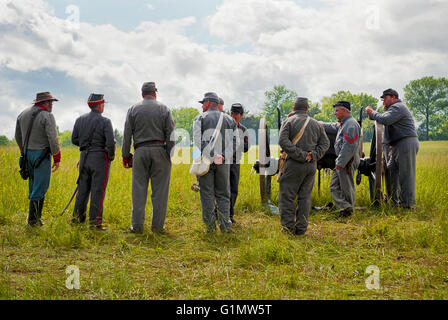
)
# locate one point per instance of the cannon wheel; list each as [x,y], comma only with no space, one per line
[264,153]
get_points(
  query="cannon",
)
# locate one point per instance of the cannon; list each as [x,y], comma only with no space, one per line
[267,166]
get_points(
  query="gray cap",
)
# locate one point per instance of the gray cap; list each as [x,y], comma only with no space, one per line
[390,92]
[221,101]
[344,104]
[149,87]
[237,108]
[301,104]
[210,96]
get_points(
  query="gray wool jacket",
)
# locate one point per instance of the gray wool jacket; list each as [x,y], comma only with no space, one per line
[398,121]
[314,139]
[203,128]
[347,140]
[43,133]
[148,120]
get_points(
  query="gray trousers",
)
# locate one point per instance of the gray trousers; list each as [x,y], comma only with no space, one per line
[234,182]
[150,163]
[297,180]
[342,187]
[214,188]
[92,181]
[402,173]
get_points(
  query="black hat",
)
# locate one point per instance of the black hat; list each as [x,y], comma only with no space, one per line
[221,101]
[301,104]
[390,92]
[95,99]
[344,104]
[149,87]
[237,108]
[210,96]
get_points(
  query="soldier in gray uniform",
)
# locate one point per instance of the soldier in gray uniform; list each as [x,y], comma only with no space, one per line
[346,145]
[43,141]
[150,125]
[214,186]
[300,168]
[94,136]
[400,137]
[237,113]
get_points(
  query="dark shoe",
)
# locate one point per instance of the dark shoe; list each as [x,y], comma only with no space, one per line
[210,229]
[97,227]
[346,212]
[159,231]
[289,231]
[328,206]
[298,232]
[135,230]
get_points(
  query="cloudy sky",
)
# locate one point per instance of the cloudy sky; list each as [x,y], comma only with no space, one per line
[237,48]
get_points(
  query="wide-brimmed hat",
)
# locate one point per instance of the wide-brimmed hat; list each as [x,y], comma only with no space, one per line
[95,99]
[210,96]
[44,96]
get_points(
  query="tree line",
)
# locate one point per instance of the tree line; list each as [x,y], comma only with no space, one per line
[427,98]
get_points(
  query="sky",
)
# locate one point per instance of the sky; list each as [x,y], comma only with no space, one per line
[236,48]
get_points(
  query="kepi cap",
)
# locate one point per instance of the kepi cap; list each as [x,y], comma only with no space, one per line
[95,99]
[301,104]
[237,108]
[149,87]
[389,92]
[344,104]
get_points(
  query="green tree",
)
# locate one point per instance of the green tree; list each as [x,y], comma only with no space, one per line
[118,136]
[65,138]
[357,101]
[4,141]
[282,98]
[427,98]
[183,118]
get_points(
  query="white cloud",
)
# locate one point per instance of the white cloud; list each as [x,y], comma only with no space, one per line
[314,51]
[150,6]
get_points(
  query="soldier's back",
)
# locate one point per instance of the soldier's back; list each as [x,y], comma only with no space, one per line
[149,120]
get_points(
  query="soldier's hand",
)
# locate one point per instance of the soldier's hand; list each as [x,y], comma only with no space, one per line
[309,157]
[338,168]
[219,159]
[55,166]
[369,110]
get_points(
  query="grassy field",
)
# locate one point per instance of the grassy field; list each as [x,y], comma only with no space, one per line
[257,262]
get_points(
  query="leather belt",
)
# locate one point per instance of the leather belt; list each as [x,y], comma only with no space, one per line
[150,142]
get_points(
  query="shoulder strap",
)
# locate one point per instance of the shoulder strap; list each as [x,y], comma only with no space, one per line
[300,134]
[28,131]
[217,130]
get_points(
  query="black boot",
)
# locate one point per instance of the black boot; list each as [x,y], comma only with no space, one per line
[32,214]
[40,206]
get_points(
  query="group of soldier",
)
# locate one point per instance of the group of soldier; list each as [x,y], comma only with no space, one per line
[149,127]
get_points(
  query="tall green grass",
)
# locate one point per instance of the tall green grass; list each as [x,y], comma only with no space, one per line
[258,261]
